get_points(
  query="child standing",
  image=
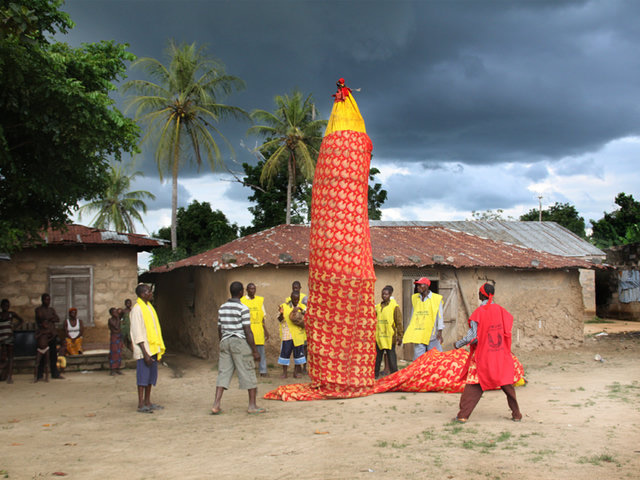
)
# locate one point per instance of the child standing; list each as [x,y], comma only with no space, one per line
[115,344]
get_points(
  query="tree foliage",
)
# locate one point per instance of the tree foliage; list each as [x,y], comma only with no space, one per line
[619,227]
[270,203]
[293,138]
[199,229]
[377,196]
[563,214]
[180,107]
[117,206]
[490,215]
[59,128]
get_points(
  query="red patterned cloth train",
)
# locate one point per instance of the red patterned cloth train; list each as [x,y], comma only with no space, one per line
[341,319]
[431,372]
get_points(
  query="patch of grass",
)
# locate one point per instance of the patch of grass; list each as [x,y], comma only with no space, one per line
[428,435]
[598,459]
[577,405]
[403,397]
[623,392]
[581,389]
[398,445]
[532,434]
[381,443]
[597,319]
[503,436]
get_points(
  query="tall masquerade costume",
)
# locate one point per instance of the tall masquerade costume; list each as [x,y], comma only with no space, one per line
[341,319]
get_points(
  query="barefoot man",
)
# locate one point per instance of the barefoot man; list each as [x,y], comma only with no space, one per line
[237,348]
[148,347]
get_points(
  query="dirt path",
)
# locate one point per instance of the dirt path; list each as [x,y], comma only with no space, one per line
[582,420]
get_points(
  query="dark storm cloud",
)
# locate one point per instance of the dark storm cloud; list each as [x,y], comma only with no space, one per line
[442,81]
[162,192]
[484,189]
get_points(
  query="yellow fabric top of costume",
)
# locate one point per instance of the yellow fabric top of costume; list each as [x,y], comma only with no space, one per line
[345,114]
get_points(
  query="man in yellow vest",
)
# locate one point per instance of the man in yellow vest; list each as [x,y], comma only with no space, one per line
[426,324]
[297,287]
[260,333]
[292,335]
[388,331]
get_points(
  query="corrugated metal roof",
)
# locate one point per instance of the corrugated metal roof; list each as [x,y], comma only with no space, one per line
[542,236]
[81,235]
[403,246]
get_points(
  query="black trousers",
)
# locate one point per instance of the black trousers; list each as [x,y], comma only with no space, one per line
[391,355]
[53,361]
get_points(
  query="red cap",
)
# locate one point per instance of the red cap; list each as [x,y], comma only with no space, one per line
[422,281]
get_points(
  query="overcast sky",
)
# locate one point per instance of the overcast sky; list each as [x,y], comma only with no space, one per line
[470,105]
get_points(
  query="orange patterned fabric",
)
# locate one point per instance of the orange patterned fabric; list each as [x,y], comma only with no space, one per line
[341,315]
[341,318]
[432,372]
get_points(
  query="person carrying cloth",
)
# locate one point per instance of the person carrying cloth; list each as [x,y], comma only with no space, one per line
[148,346]
[426,324]
[260,333]
[388,331]
[490,364]
[292,334]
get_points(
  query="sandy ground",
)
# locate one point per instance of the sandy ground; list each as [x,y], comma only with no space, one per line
[582,420]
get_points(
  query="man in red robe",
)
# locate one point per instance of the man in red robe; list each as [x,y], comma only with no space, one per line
[491,364]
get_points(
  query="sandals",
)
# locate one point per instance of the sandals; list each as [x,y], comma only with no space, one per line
[259,410]
[145,409]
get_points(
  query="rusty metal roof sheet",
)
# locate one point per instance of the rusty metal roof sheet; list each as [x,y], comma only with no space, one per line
[80,235]
[402,246]
[547,237]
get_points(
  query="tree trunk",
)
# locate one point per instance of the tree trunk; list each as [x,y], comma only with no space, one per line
[174,202]
[289,192]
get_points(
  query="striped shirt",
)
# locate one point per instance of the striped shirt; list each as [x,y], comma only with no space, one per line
[232,316]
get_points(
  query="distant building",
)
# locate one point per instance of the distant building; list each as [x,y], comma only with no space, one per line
[618,289]
[82,267]
[542,290]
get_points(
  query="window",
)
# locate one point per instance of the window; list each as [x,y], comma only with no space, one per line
[72,287]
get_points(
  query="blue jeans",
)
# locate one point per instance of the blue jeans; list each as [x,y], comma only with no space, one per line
[263,359]
[421,348]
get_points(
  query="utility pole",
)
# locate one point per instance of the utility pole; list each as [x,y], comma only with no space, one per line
[540,207]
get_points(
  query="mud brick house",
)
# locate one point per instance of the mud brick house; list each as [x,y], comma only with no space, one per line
[82,267]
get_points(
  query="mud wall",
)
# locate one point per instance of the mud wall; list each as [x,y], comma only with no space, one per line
[547,306]
[24,279]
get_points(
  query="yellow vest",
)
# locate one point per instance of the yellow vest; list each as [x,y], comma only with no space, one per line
[257,316]
[298,335]
[386,327]
[423,319]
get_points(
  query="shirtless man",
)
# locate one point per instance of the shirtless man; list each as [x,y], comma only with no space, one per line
[46,319]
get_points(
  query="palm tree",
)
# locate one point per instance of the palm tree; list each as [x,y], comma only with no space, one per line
[294,136]
[181,110]
[117,206]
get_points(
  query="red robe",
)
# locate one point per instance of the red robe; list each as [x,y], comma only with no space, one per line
[493,350]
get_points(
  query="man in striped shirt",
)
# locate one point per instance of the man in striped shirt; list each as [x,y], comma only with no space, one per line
[237,350]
